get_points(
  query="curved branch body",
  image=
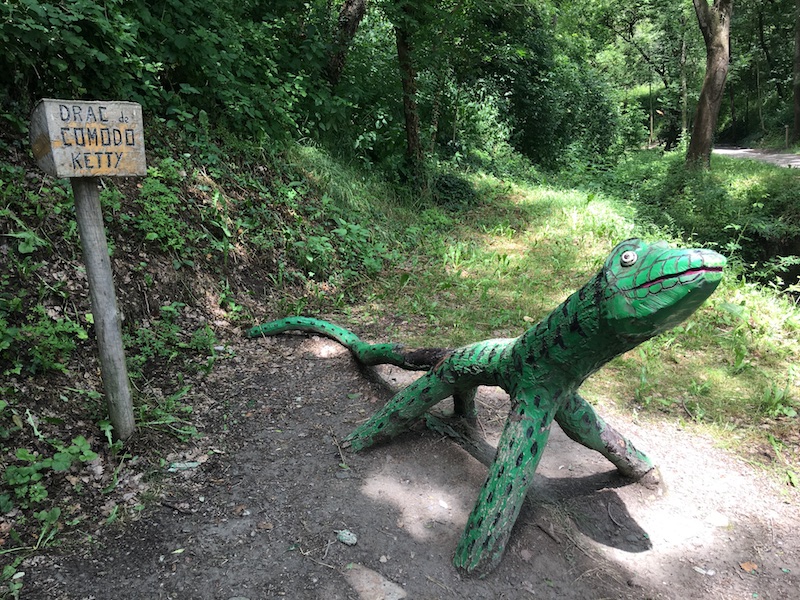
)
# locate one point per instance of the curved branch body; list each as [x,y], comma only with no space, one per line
[367,354]
[642,290]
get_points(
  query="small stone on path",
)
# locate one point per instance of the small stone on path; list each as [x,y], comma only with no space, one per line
[370,585]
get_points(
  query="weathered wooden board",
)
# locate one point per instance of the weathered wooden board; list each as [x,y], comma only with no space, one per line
[77,138]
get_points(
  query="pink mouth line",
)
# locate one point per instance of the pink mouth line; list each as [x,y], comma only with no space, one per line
[698,271]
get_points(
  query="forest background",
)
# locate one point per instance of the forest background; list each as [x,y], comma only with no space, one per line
[432,164]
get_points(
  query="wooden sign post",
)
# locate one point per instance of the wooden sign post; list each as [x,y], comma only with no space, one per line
[84,140]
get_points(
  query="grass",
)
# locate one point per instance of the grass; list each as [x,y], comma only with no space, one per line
[494,269]
[740,207]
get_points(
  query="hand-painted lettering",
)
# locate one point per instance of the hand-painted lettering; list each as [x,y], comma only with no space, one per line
[88,138]
[94,136]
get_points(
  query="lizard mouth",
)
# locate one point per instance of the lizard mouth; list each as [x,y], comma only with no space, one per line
[675,278]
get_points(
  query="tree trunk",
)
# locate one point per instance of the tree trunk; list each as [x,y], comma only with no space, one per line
[350,17]
[684,82]
[715,24]
[796,82]
[410,111]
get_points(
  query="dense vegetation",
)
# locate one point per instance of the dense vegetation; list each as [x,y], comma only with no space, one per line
[282,181]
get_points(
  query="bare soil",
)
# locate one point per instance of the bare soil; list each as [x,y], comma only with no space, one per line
[254,510]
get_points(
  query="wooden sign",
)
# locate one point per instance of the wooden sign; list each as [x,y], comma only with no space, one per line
[77,138]
[84,140]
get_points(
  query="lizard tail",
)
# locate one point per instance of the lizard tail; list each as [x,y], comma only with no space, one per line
[419,359]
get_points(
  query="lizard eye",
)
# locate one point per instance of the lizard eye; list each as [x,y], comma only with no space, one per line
[628,258]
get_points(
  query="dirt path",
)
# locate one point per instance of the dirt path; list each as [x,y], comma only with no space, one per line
[259,518]
[781,159]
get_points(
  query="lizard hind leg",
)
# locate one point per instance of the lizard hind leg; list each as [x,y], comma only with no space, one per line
[464,403]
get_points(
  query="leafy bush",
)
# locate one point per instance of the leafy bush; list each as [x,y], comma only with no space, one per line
[26,478]
[452,191]
[191,63]
[746,209]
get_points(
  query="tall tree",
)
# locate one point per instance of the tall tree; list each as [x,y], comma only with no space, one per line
[402,28]
[796,81]
[350,16]
[715,24]
[657,40]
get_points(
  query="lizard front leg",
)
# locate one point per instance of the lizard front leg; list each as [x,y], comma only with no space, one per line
[581,423]
[510,475]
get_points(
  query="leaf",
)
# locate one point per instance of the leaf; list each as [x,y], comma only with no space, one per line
[48,516]
[749,567]
[26,455]
[61,461]
[794,481]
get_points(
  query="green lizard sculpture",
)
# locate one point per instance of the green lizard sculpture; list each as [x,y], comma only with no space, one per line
[641,290]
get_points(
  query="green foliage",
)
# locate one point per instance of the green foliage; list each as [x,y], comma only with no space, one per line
[490,75]
[453,191]
[162,340]
[168,414]
[159,218]
[26,479]
[193,64]
[71,48]
[40,343]
[11,579]
[36,334]
[344,252]
[777,401]
[744,208]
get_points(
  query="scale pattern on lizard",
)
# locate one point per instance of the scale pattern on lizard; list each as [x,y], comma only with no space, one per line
[641,290]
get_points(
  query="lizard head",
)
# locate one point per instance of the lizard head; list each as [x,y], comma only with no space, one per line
[653,287]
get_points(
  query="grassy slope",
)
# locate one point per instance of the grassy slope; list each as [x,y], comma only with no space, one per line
[492,269]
